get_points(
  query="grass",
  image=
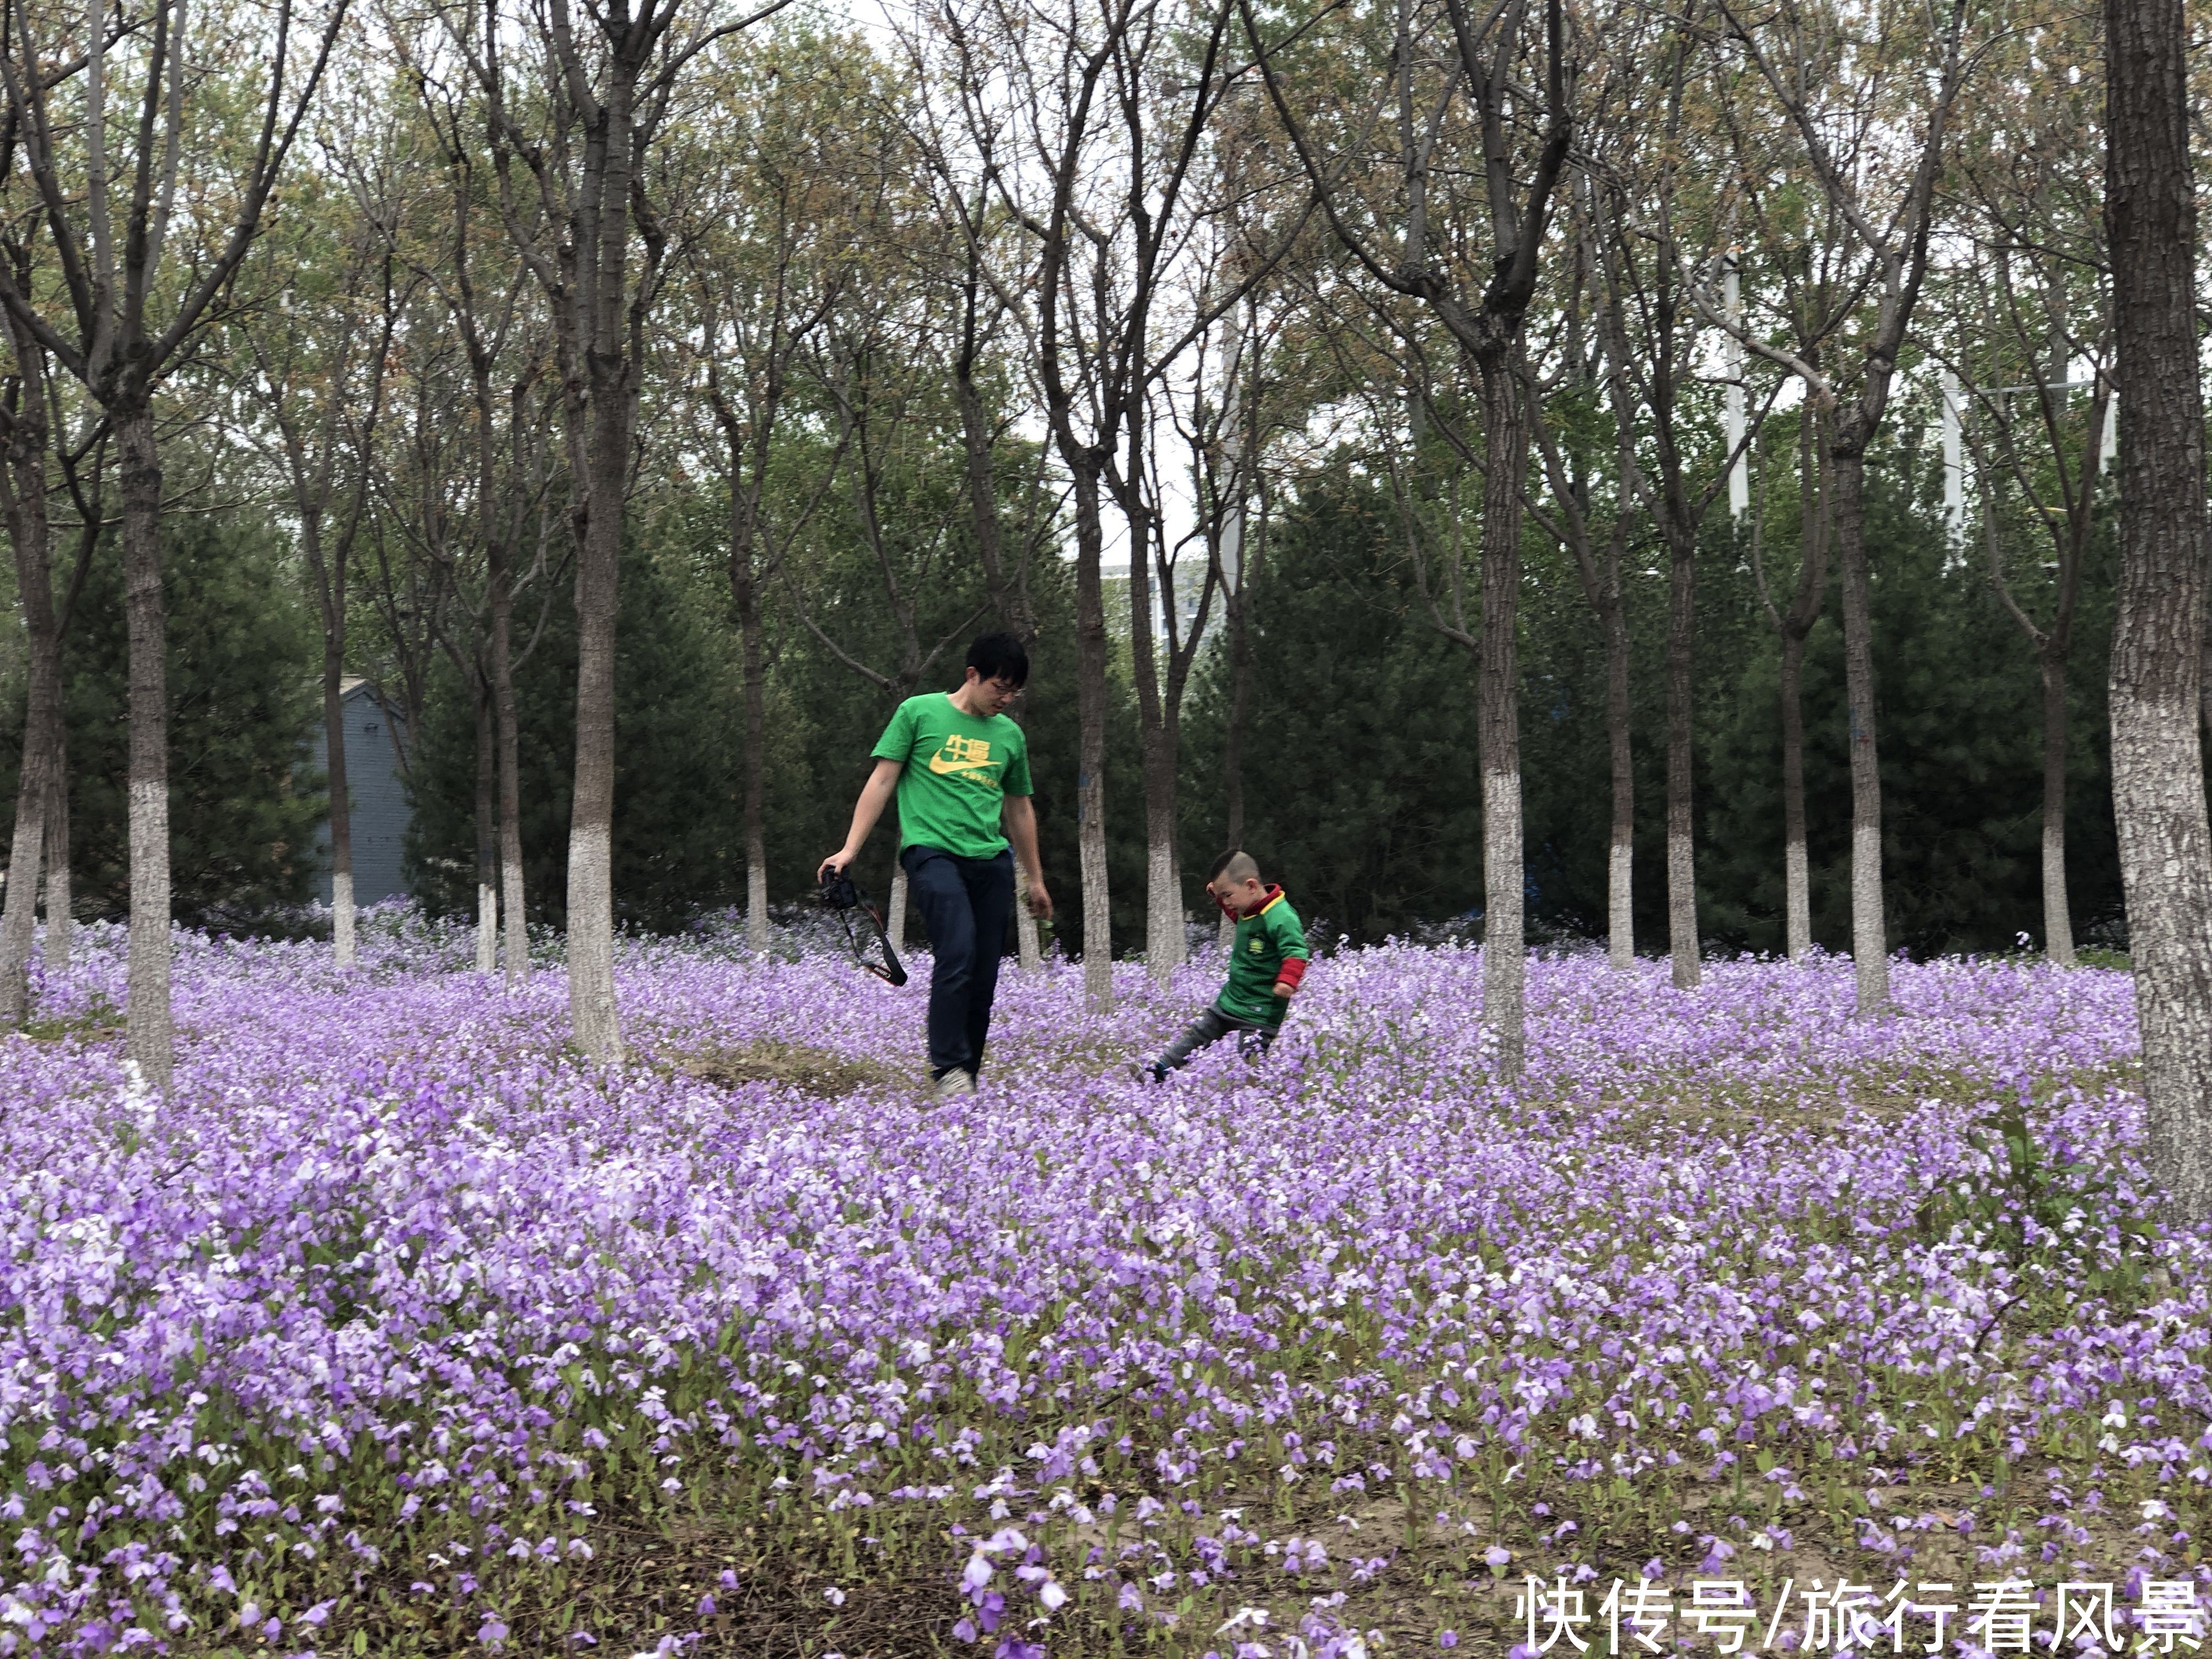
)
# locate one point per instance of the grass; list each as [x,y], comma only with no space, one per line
[101,1019]
[816,1071]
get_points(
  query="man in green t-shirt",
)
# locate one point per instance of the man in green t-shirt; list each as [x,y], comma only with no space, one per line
[960,771]
[1267,959]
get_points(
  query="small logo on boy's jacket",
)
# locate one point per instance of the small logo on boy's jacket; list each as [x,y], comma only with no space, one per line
[1256,944]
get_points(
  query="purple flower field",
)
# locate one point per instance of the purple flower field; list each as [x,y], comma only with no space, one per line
[397,1329]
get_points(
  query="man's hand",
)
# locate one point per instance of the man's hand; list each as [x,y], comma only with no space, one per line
[875,795]
[1040,902]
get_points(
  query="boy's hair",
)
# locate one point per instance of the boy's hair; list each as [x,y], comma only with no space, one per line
[999,656]
[1234,867]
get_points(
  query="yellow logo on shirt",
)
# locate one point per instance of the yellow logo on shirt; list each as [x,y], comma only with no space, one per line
[961,755]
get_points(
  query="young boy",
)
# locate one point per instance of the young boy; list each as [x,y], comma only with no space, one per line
[1266,960]
[960,769]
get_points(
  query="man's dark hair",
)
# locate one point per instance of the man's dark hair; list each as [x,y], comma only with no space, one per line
[1236,864]
[999,656]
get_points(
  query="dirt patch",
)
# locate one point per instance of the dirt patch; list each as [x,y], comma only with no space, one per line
[816,1071]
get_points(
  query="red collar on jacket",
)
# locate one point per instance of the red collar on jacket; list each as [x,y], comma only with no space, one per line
[1274,893]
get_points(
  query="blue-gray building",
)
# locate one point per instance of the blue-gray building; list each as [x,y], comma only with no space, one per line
[378,798]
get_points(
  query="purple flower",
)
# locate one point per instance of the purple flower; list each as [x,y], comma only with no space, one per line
[386,1221]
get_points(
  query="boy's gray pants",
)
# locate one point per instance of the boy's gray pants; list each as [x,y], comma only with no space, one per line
[1210,1027]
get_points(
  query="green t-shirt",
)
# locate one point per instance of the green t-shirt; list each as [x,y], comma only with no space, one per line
[959,770]
[1263,939]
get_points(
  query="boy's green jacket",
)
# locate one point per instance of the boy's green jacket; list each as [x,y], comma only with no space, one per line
[1264,941]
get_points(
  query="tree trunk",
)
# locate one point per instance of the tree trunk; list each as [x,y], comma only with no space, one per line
[1010,599]
[894,908]
[487,825]
[515,916]
[1601,580]
[1027,951]
[591,827]
[507,737]
[500,541]
[744,595]
[1090,746]
[1620,855]
[151,1035]
[1681,831]
[61,924]
[1796,869]
[1163,917]
[1232,747]
[344,949]
[28,531]
[2204,692]
[1869,936]
[2158,633]
[2058,915]
[1498,713]
[1165,921]
[611,376]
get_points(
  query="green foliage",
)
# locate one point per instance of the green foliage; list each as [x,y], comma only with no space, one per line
[2034,1195]
[678,724]
[100,1018]
[241,661]
[1359,777]
[1958,722]
[846,714]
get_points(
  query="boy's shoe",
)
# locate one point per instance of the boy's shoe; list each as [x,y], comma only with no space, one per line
[1148,1071]
[952,1085]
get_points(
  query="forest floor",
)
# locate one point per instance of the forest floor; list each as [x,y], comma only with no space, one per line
[396,1328]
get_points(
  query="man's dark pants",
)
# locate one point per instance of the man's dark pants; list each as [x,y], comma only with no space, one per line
[966,905]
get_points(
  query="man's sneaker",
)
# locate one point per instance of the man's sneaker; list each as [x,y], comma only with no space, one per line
[1148,1071]
[953,1084]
